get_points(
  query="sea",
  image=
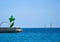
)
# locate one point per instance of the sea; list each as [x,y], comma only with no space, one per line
[32,35]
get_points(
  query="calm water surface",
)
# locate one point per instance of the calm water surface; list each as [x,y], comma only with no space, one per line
[32,35]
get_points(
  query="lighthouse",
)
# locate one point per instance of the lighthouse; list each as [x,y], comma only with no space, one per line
[11,28]
[11,21]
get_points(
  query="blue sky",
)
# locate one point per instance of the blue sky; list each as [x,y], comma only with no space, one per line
[31,13]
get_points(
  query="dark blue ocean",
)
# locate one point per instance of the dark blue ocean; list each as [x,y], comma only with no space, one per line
[32,35]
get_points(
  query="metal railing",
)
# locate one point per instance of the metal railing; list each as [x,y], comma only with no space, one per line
[3,23]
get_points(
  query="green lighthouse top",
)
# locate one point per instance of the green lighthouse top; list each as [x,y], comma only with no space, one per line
[11,19]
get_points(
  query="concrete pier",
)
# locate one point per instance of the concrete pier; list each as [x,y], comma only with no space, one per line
[8,29]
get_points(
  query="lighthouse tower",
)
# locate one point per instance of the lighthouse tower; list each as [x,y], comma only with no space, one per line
[11,21]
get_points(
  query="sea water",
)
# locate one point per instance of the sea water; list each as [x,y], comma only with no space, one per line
[32,35]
